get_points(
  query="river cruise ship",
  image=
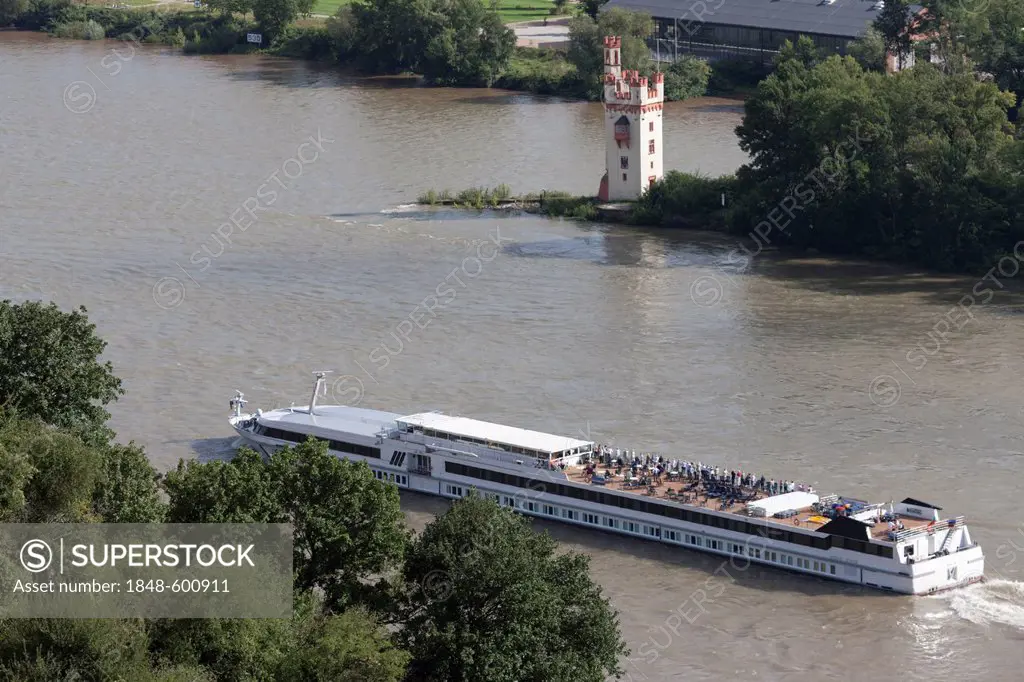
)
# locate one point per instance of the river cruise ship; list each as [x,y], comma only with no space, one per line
[906,547]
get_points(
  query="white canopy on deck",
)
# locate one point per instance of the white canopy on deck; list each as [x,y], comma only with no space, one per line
[769,506]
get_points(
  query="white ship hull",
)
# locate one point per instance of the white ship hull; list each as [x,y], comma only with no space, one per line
[413,462]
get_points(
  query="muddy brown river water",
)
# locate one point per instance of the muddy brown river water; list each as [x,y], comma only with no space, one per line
[125,190]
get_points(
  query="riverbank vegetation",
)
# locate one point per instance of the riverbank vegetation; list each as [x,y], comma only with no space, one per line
[448,42]
[476,596]
[554,204]
[923,166]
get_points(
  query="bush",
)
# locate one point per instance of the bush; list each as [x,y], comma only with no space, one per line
[684,199]
[546,72]
[222,36]
[729,75]
[11,10]
[565,205]
[80,30]
[480,197]
[343,29]
[41,14]
[687,77]
[306,42]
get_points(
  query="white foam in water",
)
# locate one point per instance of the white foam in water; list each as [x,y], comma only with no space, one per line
[403,208]
[993,602]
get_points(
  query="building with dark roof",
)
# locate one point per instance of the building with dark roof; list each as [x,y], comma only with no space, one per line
[754,29]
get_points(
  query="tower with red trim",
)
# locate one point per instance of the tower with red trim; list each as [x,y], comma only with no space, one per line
[632,124]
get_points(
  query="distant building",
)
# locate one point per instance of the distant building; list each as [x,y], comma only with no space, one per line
[751,29]
[632,124]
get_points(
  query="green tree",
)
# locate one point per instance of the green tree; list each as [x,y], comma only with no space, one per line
[344,32]
[392,35]
[239,491]
[473,46]
[314,646]
[921,157]
[687,77]
[347,524]
[586,45]
[233,650]
[127,489]
[11,9]
[350,647]
[451,42]
[274,15]
[50,367]
[950,25]
[63,475]
[803,51]
[486,598]
[869,50]
[593,7]
[15,471]
[895,25]
[997,44]
[43,650]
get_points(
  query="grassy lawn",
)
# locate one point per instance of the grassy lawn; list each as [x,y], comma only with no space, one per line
[510,10]
[130,3]
[524,10]
[328,6]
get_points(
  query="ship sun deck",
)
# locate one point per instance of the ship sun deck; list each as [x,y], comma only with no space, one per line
[509,438]
[676,491]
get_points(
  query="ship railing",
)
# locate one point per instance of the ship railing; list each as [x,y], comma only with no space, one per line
[902,535]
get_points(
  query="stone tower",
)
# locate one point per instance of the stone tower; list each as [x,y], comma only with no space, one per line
[632,127]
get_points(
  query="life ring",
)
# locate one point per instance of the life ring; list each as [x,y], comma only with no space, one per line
[796,522]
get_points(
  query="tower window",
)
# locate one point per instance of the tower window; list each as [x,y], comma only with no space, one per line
[652,126]
[624,162]
[650,147]
[623,177]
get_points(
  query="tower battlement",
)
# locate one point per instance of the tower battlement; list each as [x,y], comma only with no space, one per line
[633,108]
[630,87]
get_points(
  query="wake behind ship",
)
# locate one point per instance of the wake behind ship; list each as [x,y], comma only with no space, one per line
[907,547]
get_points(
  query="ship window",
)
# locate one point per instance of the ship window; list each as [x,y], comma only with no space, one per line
[626,501]
[352,448]
[281,434]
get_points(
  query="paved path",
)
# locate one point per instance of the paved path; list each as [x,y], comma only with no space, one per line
[535,34]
